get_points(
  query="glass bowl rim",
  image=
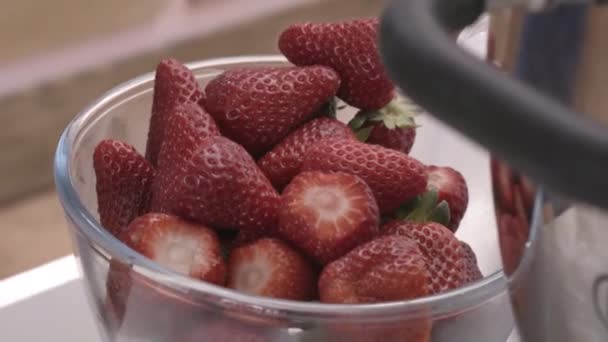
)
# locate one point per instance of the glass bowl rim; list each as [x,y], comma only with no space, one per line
[461,299]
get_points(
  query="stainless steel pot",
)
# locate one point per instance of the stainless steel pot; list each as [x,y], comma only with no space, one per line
[540,105]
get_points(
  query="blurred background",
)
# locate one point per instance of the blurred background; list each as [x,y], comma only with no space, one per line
[57,56]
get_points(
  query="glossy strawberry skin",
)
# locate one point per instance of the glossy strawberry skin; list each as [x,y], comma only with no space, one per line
[398,139]
[472,272]
[310,200]
[284,161]
[394,177]
[271,268]
[123,180]
[388,268]
[157,236]
[258,107]
[187,126]
[452,188]
[221,186]
[350,48]
[442,251]
[174,84]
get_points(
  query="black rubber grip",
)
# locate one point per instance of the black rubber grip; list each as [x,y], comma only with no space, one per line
[555,147]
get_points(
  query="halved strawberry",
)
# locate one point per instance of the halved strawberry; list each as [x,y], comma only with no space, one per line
[220,185]
[471,269]
[183,247]
[187,126]
[258,107]
[284,161]
[123,179]
[174,84]
[393,177]
[327,214]
[350,48]
[443,253]
[451,187]
[269,267]
[388,268]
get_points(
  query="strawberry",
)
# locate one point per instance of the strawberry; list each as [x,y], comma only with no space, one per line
[186,127]
[513,234]
[123,179]
[350,48]
[394,177]
[388,268]
[174,84]
[442,251]
[393,126]
[327,214]
[503,181]
[283,162]
[269,267]
[183,247]
[452,188]
[220,185]
[258,107]
[472,272]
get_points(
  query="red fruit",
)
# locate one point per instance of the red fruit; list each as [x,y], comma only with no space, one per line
[187,126]
[123,179]
[452,188]
[183,247]
[258,107]
[174,84]
[328,214]
[283,162]
[471,269]
[503,181]
[399,139]
[388,268]
[221,186]
[350,48]
[394,177]
[513,235]
[268,267]
[442,252]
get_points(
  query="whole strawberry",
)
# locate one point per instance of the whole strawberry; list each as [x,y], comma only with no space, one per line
[258,107]
[283,162]
[350,48]
[472,271]
[327,214]
[451,187]
[269,267]
[187,126]
[393,177]
[220,185]
[393,126]
[123,180]
[443,253]
[174,84]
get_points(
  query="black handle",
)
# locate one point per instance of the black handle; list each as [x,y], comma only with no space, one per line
[554,146]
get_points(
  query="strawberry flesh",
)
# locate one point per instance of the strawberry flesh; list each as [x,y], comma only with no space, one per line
[187,126]
[326,215]
[123,180]
[284,161]
[181,246]
[174,84]
[220,185]
[258,107]
[388,268]
[269,267]
[442,251]
[350,48]
[451,187]
[393,177]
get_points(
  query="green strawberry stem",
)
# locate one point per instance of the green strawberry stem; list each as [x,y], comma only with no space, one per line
[399,113]
[425,208]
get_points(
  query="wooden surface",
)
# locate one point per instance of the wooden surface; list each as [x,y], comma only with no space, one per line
[31,220]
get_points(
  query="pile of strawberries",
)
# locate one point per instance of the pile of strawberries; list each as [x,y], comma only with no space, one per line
[253,184]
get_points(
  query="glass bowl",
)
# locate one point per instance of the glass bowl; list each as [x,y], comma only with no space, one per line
[135,299]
